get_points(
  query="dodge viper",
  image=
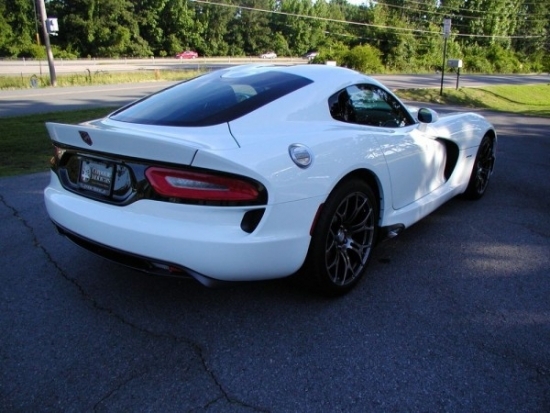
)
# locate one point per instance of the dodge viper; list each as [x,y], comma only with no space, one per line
[258,172]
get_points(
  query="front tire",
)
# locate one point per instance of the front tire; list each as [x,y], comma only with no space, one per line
[483,168]
[342,240]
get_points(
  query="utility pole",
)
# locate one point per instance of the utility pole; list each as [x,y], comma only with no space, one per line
[43,17]
[446,33]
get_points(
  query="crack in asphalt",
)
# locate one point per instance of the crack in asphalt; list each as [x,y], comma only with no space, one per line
[197,349]
[115,389]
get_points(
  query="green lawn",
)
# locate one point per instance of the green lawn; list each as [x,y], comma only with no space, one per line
[530,100]
[26,147]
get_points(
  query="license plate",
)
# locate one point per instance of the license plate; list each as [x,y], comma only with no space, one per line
[96,176]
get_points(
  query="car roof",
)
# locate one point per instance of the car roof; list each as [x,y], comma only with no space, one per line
[212,99]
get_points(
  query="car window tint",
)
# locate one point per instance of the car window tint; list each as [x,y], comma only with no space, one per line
[341,108]
[368,105]
[210,99]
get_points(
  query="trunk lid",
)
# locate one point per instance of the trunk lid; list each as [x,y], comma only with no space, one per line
[165,144]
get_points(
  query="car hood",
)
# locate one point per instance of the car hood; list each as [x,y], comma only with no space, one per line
[161,143]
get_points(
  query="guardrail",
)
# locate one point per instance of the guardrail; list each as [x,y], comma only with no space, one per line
[26,66]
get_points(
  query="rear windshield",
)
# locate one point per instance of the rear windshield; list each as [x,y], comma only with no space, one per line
[210,99]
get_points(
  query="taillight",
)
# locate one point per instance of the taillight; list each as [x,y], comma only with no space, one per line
[57,155]
[201,186]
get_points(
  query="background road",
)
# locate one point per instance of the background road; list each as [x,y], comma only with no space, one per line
[453,317]
[21,102]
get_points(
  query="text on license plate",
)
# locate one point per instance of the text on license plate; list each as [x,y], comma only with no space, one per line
[96,176]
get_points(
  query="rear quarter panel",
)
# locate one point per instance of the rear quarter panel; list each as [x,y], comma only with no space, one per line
[337,150]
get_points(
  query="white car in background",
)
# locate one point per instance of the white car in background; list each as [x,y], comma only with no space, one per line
[268,55]
[258,172]
[311,55]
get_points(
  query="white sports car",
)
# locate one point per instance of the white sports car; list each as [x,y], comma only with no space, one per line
[261,171]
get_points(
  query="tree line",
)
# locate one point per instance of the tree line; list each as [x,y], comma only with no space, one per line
[384,36]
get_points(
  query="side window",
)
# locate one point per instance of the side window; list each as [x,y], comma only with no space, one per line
[369,105]
[341,107]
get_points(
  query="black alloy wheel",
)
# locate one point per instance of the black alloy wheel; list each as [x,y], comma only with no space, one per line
[343,239]
[483,168]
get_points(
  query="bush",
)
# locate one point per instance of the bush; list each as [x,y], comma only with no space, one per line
[333,51]
[32,51]
[477,64]
[364,59]
[475,60]
[504,60]
[59,53]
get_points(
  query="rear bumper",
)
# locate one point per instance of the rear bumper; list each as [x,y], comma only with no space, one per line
[144,264]
[204,241]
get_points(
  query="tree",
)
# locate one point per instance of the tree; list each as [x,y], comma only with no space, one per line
[6,34]
[151,28]
[487,34]
[214,21]
[17,28]
[488,21]
[106,28]
[533,29]
[249,31]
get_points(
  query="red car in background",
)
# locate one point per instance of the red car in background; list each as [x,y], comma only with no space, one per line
[187,54]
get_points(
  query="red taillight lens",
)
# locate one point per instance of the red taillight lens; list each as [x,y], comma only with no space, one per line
[200,186]
[58,153]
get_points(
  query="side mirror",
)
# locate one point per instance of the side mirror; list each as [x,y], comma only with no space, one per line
[426,115]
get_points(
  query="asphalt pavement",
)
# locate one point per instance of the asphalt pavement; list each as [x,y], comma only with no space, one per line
[454,316]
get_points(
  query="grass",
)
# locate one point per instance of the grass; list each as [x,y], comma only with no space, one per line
[26,147]
[99,77]
[529,100]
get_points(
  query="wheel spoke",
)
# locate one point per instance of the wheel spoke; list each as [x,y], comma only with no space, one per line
[359,249]
[355,212]
[341,268]
[363,225]
[349,273]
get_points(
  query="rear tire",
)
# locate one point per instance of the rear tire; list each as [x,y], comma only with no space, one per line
[342,240]
[483,168]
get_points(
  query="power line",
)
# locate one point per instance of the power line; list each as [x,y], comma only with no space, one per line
[378,26]
[461,15]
